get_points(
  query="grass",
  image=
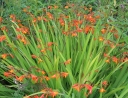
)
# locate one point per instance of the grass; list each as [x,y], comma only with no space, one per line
[64,50]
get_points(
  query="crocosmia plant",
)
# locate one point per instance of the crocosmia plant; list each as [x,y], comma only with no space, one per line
[62,51]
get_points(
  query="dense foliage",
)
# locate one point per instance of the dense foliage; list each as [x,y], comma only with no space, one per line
[63,49]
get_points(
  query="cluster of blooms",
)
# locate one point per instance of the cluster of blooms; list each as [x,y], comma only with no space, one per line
[11,73]
[115,59]
[89,87]
[47,92]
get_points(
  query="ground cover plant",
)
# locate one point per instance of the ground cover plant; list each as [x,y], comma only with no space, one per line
[63,50]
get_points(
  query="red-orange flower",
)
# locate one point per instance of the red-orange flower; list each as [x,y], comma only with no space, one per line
[13,17]
[49,7]
[115,59]
[7,74]
[4,56]
[34,78]
[90,18]
[4,28]
[50,44]
[57,75]
[116,35]
[53,93]
[43,50]
[55,6]
[78,87]
[89,88]
[47,78]
[74,34]
[62,23]
[24,40]
[76,23]
[2,38]
[67,62]
[33,56]
[1,19]
[103,31]
[64,74]
[21,78]
[50,16]
[106,55]
[88,29]
[25,30]
[105,83]
[79,30]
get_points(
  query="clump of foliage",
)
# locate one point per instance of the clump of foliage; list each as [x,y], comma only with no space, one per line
[70,51]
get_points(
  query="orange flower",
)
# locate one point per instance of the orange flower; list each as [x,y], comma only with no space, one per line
[89,88]
[66,7]
[103,31]
[50,44]
[74,34]
[115,59]
[4,28]
[24,40]
[4,56]
[20,79]
[76,23]
[11,71]
[57,75]
[62,23]
[34,78]
[47,78]
[43,50]
[49,7]
[64,74]
[1,19]
[79,30]
[55,6]
[7,74]
[50,16]
[105,83]
[18,20]
[13,17]
[36,96]
[88,29]
[44,19]
[116,35]
[42,96]
[90,18]
[25,9]
[43,72]
[39,18]
[67,62]
[102,90]
[19,36]
[78,87]
[107,61]
[34,20]
[53,93]
[106,55]
[33,56]
[101,38]
[25,30]
[2,38]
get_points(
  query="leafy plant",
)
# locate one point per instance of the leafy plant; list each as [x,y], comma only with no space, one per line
[63,51]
